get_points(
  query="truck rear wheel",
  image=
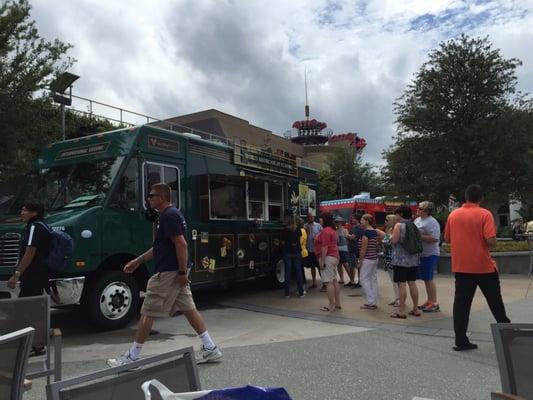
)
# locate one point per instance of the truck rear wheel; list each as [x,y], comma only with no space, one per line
[277,276]
[112,300]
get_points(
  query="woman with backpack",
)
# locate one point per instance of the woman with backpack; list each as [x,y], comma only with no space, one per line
[405,260]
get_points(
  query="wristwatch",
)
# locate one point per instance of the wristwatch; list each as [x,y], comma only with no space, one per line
[180,272]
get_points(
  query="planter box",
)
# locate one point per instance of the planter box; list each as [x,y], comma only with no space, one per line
[511,262]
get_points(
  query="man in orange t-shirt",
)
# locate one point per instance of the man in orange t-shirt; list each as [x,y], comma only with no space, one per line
[472,234]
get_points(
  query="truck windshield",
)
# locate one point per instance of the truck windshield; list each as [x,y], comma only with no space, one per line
[69,186]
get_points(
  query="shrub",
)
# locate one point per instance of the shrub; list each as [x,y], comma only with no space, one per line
[501,246]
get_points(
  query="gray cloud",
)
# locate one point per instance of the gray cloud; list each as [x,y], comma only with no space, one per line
[247,58]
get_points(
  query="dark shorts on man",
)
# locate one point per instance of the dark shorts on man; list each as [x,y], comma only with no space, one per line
[343,257]
[427,268]
[310,261]
[403,274]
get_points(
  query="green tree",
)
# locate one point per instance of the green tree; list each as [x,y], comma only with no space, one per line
[346,175]
[458,124]
[27,65]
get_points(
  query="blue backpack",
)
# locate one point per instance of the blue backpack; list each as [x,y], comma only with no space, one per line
[61,249]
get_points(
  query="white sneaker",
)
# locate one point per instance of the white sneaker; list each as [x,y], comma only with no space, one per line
[123,359]
[205,356]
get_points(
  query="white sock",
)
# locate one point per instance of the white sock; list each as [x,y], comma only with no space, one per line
[207,341]
[135,350]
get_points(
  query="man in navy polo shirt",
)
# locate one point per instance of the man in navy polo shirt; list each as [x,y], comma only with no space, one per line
[168,290]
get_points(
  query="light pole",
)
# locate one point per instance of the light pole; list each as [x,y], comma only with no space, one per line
[59,85]
[340,184]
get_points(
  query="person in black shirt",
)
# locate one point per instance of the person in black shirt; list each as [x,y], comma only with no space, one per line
[292,256]
[168,290]
[32,270]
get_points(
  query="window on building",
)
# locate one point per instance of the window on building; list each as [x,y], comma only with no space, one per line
[126,192]
[160,173]
[228,199]
[503,215]
[256,200]
[275,202]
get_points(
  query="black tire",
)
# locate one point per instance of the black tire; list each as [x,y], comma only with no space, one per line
[276,279]
[112,300]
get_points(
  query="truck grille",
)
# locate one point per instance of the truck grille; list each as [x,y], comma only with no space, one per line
[9,249]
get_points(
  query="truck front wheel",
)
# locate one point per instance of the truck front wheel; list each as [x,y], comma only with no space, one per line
[112,300]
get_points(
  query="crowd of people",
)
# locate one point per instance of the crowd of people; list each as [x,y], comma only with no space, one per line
[409,246]
[341,250]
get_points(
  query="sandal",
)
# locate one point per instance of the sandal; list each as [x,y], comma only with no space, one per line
[399,316]
[369,307]
[338,308]
[392,303]
[415,313]
[325,308]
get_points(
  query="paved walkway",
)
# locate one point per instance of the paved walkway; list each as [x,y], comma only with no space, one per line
[353,354]
[514,288]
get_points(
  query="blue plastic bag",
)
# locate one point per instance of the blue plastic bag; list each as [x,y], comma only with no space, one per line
[247,393]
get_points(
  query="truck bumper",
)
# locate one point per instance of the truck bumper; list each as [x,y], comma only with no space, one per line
[63,291]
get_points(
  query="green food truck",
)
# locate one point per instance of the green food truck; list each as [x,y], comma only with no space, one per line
[94,188]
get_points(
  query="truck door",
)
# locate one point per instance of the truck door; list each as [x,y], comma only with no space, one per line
[163,172]
[124,225]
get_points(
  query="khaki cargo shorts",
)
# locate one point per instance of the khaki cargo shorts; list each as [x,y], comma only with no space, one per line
[164,297]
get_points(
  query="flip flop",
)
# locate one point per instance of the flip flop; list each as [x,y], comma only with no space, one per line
[391,303]
[413,313]
[325,308]
[338,308]
[399,316]
[368,307]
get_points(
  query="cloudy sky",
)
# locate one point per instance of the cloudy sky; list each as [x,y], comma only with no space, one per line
[247,57]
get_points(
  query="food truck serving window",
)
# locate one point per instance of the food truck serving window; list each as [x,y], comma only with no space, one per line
[265,200]
[275,201]
[227,198]
[256,200]
[160,173]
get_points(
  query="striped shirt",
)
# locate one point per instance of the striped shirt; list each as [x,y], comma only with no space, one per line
[372,246]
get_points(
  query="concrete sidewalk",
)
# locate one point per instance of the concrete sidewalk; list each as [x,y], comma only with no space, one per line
[514,288]
[362,365]
[351,354]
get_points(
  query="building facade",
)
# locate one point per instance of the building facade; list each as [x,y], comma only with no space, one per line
[237,129]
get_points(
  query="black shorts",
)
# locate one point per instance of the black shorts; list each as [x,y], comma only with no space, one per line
[310,261]
[403,274]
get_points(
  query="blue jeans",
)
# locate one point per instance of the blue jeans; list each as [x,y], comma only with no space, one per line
[293,262]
